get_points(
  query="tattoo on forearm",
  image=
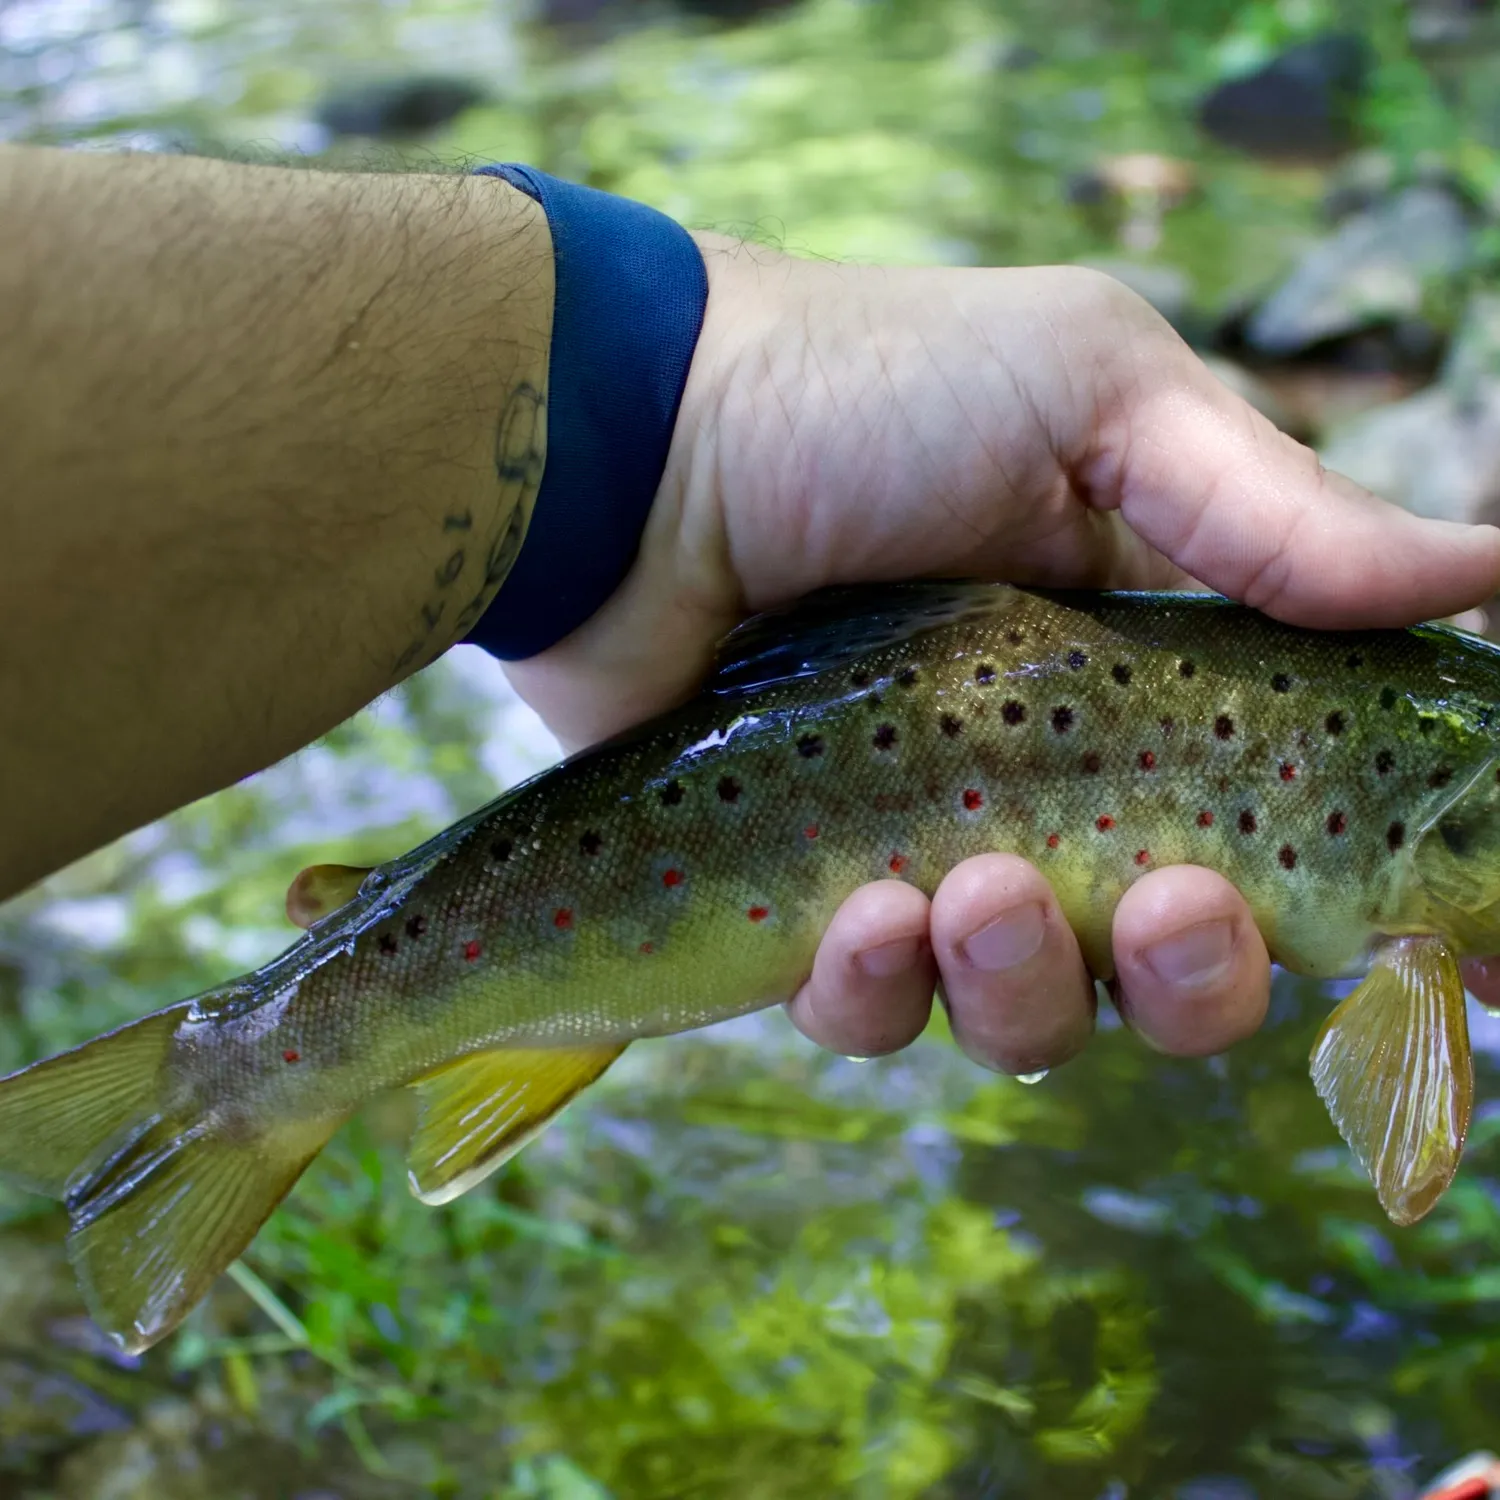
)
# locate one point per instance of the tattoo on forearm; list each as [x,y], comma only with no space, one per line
[520,455]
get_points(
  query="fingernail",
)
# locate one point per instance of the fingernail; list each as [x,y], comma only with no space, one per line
[889,958]
[1194,958]
[1008,941]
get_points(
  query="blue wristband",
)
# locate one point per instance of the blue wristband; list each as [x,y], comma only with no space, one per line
[631,293]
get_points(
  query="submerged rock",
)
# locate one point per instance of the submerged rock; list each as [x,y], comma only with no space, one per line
[1374,270]
[1300,105]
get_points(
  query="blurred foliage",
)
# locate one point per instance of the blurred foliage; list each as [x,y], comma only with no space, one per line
[740,1266]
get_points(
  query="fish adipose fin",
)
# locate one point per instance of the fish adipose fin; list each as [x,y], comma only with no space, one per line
[478,1112]
[160,1202]
[321,889]
[1394,1068]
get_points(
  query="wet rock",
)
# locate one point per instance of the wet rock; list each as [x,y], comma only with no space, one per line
[1299,106]
[398,108]
[1438,452]
[1374,270]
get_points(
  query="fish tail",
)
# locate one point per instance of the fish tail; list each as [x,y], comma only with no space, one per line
[162,1196]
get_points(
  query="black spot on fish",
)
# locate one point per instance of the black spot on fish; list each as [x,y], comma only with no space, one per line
[1288,857]
[1440,777]
[874,701]
[1426,724]
[1224,727]
[952,727]
[1186,668]
[1385,763]
[1337,823]
[388,944]
[1013,712]
[1281,683]
[1395,836]
[1455,836]
[984,674]
[590,843]
[1015,637]
[859,679]
[729,789]
[671,794]
[1354,661]
[885,737]
[500,850]
[1062,719]
[1091,762]
[1121,673]
[1334,723]
[1247,821]
[907,676]
[1388,698]
[1077,660]
[809,746]
[416,926]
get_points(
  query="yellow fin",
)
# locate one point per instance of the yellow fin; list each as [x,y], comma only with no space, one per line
[479,1111]
[320,889]
[1394,1068]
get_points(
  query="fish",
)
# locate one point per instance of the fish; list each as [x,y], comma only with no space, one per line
[1348,783]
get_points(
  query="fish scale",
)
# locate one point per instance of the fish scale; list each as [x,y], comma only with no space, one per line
[686,872]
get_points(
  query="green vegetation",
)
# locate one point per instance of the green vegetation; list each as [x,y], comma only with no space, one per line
[739,1266]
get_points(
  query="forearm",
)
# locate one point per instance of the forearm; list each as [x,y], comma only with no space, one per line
[270,441]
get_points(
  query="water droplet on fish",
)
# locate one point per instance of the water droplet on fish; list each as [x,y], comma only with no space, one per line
[1036,1077]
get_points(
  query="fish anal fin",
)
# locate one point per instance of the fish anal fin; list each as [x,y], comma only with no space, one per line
[1393,1065]
[320,889]
[477,1112]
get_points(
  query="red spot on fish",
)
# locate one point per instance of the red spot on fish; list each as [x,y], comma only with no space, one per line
[811,831]
[1053,840]
[973,800]
[562,918]
[472,951]
[1104,823]
[1288,771]
[671,878]
[648,948]
[1148,761]
[1337,823]
[758,913]
[1205,819]
[897,863]
[1143,856]
[289,1056]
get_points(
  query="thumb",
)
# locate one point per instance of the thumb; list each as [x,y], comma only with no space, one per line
[1209,482]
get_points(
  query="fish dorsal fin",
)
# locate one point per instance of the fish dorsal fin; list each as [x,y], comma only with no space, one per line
[479,1111]
[837,625]
[321,889]
[1393,1065]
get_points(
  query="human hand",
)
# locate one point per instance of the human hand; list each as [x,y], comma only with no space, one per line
[1042,426]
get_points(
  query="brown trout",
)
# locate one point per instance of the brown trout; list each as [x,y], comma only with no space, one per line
[1345,782]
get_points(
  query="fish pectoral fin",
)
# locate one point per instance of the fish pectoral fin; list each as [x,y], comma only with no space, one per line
[477,1112]
[1393,1065]
[320,889]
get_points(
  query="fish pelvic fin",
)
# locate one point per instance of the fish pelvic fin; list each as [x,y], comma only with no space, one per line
[1393,1065]
[477,1112]
[161,1197]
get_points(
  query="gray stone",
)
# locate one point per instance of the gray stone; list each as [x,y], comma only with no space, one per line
[1375,268]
